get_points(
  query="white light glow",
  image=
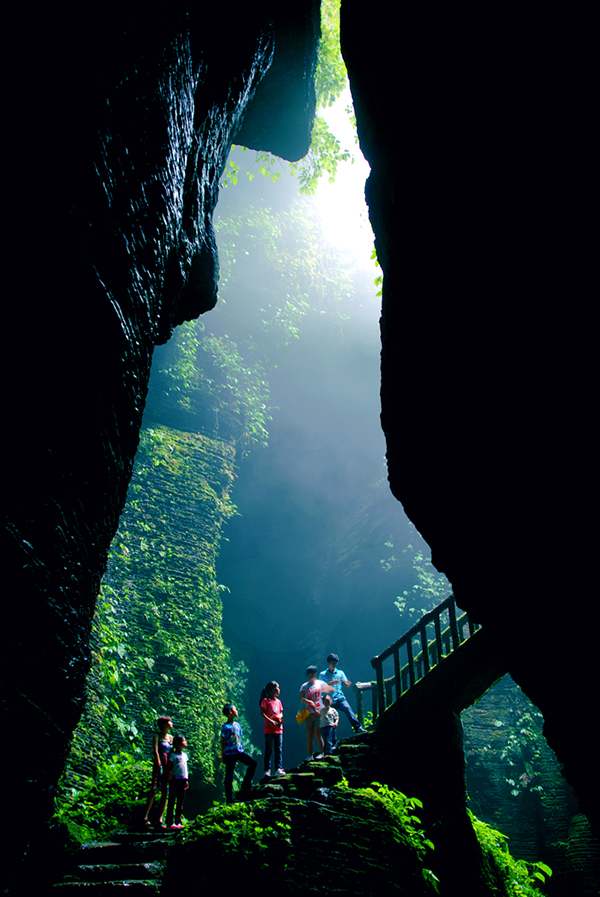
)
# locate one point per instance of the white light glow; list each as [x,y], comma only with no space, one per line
[342,204]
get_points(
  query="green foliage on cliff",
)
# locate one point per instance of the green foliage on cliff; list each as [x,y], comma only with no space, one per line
[326,152]
[523,748]
[276,268]
[430,588]
[107,801]
[158,644]
[518,878]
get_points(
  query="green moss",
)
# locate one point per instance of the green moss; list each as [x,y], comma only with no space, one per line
[107,802]
[361,841]
[157,639]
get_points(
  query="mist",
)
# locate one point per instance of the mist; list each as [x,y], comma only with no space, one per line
[304,576]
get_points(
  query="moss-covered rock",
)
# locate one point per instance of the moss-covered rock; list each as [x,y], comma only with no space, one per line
[158,629]
[360,841]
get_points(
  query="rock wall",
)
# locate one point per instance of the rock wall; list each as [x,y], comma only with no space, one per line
[476,132]
[513,779]
[124,124]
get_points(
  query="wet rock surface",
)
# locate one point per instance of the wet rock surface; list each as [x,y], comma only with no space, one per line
[132,861]
[120,127]
[137,111]
[486,393]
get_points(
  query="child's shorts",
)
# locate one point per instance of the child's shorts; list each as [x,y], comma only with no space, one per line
[311,723]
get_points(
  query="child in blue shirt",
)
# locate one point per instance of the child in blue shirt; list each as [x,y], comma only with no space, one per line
[232,752]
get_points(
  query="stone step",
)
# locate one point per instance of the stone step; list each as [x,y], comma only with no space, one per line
[119,872]
[108,888]
[135,851]
[132,860]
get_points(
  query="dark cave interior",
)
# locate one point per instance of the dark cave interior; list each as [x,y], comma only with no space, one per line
[477,200]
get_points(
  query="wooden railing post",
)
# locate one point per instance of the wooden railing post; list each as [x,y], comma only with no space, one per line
[360,710]
[438,638]
[453,626]
[424,648]
[411,665]
[406,676]
[388,692]
[378,664]
[397,673]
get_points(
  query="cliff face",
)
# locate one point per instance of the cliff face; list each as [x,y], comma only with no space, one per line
[124,124]
[476,134]
[120,129]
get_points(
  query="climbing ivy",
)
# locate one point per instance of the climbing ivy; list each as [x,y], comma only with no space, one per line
[158,644]
[430,588]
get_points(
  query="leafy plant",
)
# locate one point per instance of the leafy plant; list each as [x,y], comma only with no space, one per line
[325,153]
[521,879]
[523,748]
[157,635]
[105,802]
[241,828]
[430,589]
[407,828]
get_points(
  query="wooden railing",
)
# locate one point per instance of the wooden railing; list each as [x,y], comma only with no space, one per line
[385,691]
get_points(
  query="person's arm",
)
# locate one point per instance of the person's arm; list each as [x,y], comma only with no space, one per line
[155,739]
[169,770]
[342,676]
[307,701]
[222,749]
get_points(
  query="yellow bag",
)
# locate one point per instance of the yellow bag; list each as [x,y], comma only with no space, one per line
[302,715]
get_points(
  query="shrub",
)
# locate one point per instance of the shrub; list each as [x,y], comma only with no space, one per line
[107,802]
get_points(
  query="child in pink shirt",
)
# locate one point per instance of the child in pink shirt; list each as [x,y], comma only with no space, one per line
[271,709]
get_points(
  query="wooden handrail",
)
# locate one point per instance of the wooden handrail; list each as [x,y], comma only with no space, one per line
[431,653]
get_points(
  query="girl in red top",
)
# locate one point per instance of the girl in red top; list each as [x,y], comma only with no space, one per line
[271,709]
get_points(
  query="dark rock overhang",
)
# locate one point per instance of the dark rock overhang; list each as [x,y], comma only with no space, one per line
[476,132]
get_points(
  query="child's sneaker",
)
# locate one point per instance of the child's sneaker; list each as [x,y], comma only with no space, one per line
[280,772]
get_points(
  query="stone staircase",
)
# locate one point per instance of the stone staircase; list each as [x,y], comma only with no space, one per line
[351,760]
[132,860]
[137,860]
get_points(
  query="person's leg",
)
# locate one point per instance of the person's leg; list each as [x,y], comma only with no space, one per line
[278,742]
[230,761]
[340,703]
[182,786]
[308,725]
[150,800]
[319,739]
[326,736]
[164,793]
[268,751]
[172,793]
[251,763]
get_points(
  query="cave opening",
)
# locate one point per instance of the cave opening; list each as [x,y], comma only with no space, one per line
[314,535]
[135,123]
